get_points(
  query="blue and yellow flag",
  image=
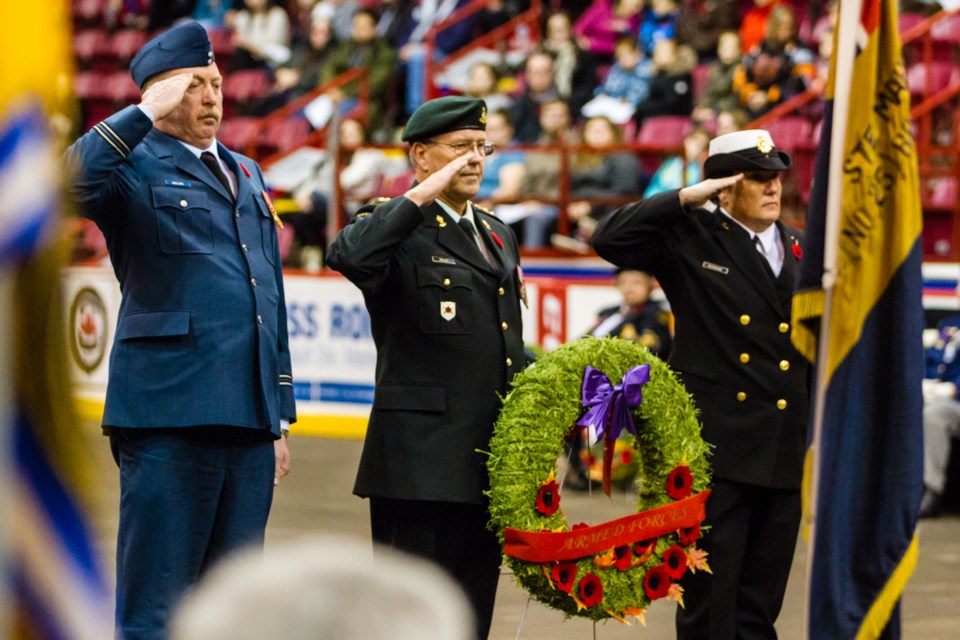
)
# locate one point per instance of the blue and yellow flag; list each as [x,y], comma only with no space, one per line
[52,584]
[867,454]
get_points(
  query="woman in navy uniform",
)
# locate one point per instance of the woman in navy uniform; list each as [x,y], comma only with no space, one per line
[728,273]
[442,283]
[200,385]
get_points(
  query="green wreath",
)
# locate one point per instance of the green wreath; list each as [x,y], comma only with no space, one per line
[618,569]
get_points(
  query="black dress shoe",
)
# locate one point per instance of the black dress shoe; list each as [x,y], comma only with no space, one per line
[931,504]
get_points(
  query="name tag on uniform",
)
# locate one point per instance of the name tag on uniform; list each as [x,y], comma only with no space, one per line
[443,260]
[177,183]
[709,266]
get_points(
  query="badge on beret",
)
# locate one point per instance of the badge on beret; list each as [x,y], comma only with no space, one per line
[763,145]
[483,115]
[273,211]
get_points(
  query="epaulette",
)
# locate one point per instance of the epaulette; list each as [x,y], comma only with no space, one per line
[484,209]
[372,204]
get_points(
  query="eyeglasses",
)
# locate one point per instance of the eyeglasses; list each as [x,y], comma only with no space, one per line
[483,147]
[761,176]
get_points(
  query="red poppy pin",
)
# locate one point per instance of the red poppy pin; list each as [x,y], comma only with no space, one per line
[797,250]
[497,239]
[246,171]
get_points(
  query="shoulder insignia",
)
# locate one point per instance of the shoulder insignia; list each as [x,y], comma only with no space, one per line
[486,224]
[484,209]
[362,214]
[380,200]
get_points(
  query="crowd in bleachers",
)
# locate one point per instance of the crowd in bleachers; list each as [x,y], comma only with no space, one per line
[658,76]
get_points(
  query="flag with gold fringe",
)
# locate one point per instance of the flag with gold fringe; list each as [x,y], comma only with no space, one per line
[53,586]
[858,314]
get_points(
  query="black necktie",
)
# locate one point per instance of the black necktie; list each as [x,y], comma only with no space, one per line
[214,165]
[471,231]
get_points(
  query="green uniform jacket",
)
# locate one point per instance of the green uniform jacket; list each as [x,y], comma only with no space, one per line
[448,332]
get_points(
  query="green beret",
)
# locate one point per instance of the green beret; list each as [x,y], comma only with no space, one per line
[450,113]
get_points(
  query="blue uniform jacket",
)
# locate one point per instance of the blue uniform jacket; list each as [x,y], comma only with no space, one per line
[201,337]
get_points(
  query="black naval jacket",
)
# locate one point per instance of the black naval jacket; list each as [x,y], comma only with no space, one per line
[732,335]
[448,332]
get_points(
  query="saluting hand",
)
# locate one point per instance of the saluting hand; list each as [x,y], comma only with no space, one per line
[697,194]
[428,190]
[163,96]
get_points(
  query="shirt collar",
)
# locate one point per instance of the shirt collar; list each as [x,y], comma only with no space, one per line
[468,212]
[767,236]
[196,151]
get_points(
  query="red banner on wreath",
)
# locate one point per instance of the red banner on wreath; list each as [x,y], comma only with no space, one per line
[549,546]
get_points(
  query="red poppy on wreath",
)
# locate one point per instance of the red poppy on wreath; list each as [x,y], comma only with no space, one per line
[564,574]
[626,456]
[497,239]
[591,590]
[548,497]
[679,482]
[675,562]
[689,535]
[579,525]
[798,252]
[656,583]
[624,557]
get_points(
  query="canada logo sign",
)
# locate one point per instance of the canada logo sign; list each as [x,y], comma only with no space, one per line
[88,329]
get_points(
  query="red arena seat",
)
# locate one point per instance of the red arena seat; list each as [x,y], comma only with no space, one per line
[665,132]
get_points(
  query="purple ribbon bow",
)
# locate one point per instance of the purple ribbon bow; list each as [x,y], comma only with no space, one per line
[608,404]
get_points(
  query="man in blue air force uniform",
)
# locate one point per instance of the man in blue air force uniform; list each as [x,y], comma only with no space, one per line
[728,273]
[200,386]
[442,283]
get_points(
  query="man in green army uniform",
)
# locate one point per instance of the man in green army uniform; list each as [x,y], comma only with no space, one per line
[442,283]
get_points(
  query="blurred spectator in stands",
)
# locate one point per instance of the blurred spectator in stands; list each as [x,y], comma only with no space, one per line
[719,94]
[503,171]
[816,24]
[659,23]
[730,120]
[360,172]
[679,171]
[776,69]
[261,36]
[600,174]
[301,74]
[753,26]
[340,14]
[702,21]
[496,13]
[604,22]
[483,82]
[575,71]
[824,55]
[127,14]
[213,14]
[541,178]
[301,17]
[670,87]
[627,84]
[539,87]
[363,50]
[412,52]
[396,21]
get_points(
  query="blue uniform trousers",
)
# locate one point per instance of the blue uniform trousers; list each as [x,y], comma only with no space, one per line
[188,496]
